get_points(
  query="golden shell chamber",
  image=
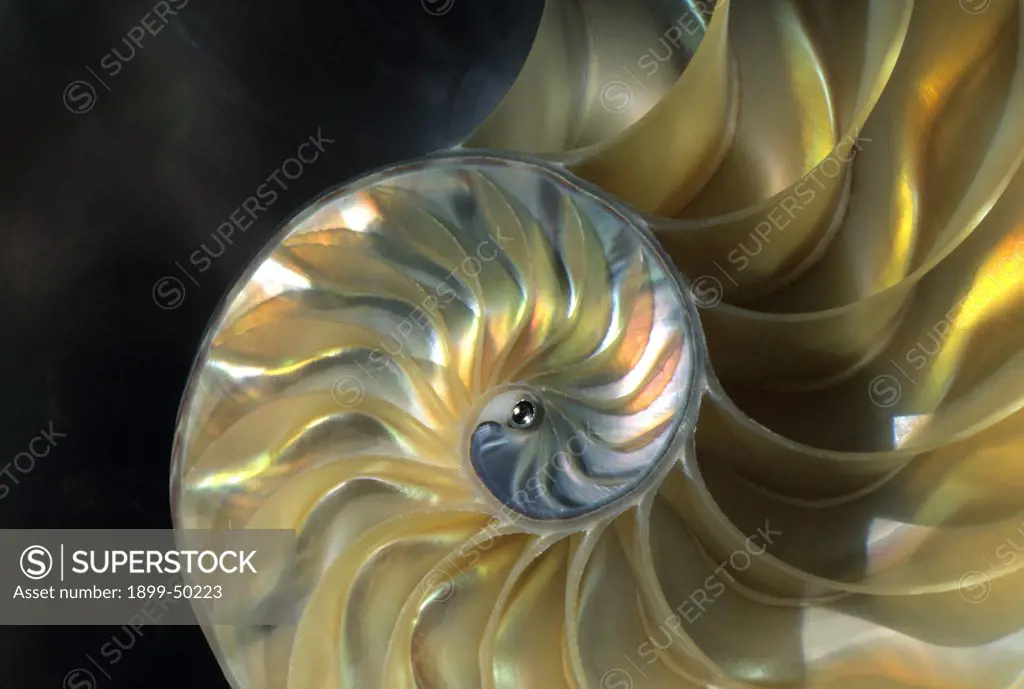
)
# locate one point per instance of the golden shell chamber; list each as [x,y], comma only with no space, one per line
[699,364]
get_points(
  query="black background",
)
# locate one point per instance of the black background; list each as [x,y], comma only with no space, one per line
[96,207]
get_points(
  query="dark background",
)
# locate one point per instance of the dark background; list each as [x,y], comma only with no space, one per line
[100,205]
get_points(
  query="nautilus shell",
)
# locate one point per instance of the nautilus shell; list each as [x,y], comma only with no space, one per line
[713,378]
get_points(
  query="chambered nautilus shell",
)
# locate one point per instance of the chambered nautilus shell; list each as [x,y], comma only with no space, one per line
[715,379]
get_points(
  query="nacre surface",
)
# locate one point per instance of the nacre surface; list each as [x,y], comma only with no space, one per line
[829,492]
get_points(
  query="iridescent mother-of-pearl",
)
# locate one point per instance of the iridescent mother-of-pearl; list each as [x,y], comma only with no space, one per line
[845,182]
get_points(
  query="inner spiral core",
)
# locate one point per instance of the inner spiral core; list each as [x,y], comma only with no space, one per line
[524,414]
